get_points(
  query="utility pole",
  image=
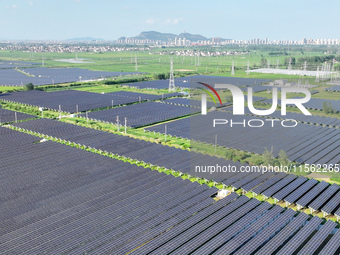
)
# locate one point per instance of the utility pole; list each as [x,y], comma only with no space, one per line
[118,122]
[233,68]
[172,87]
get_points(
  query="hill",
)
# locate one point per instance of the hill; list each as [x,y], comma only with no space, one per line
[166,37]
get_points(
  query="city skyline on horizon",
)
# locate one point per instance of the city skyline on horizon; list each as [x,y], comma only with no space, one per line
[109,20]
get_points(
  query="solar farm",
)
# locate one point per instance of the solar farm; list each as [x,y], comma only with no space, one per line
[133,168]
[44,76]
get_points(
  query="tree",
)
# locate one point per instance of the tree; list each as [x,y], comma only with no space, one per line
[327,107]
[263,62]
[28,86]
[268,158]
[283,158]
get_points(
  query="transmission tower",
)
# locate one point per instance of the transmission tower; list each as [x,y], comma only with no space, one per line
[247,72]
[290,64]
[278,64]
[317,77]
[305,66]
[171,79]
[268,64]
[136,65]
[233,68]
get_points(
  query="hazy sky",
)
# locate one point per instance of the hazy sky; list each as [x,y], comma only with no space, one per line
[110,19]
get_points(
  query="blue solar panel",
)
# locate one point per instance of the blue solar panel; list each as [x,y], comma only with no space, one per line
[332,205]
[315,242]
[288,231]
[324,197]
[267,233]
[290,188]
[300,237]
[311,195]
[332,245]
[250,232]
[293,197]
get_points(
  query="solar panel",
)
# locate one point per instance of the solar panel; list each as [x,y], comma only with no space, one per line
[315,242]
[278,240]
[262,178]
[142,114]
[250,231]
[44,76]
[267,233]
[209,233]
[332,245]
[293,197]
[7,116]
[300,237]
[278,186]
[311,195]
[233,230]
[158,240]
[332,205]
[258,190]
[190,233]
[324,197]
[289,188]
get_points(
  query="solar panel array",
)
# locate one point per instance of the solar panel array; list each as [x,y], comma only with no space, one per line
[142,96]
[280,195]
[7,116]
[303,189]
[72,201]
[324,197]
[142,114]
[187,102]
[293,244]
[303,143]
[332,246]
[300,117]
[47,209]
[335,88]
[313,103]
[278,240]
[192,82]
[315,242]
[69,99]
[140,150]
[43,76]
[312,194]
[269,184]
[16,64]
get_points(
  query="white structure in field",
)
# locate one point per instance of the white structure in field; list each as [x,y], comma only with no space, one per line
[172,87]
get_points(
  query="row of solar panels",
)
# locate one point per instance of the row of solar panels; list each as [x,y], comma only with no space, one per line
[193,82]
[45,76]
[141,114]
[71,100]
[77,209]
[16,64]
[314,104]
[7,116]
[281,186]
[303,143]
[300,117]
[335,88]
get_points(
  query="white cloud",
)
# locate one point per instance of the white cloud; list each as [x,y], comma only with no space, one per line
[173,21]
[150,21]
